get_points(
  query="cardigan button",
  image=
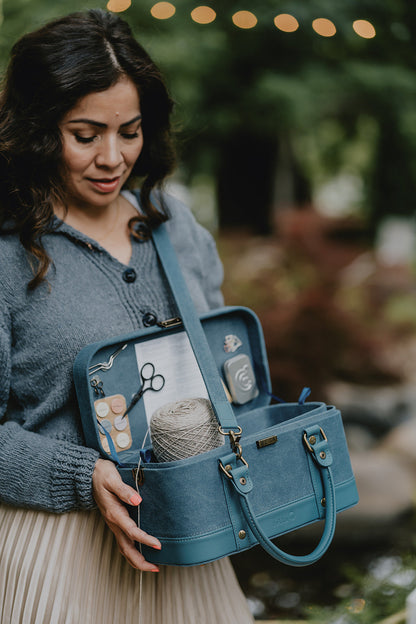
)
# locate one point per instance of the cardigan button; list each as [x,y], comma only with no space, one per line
[142,231]
[149,319]
[129,275]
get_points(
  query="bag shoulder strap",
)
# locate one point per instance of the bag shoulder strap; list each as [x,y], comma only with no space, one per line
[167,255]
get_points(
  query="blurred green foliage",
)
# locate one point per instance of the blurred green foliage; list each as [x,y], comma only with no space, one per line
[20,16]
[253,103]
[371,595]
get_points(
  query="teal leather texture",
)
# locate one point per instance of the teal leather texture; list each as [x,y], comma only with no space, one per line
[199,514]
[281,467]
[243,485]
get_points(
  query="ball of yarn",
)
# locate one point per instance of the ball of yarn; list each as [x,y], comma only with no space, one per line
[184,428]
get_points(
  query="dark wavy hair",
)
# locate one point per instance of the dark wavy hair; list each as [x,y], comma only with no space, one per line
[50,69]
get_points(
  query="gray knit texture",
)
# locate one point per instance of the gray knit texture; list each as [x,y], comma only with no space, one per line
[43,461]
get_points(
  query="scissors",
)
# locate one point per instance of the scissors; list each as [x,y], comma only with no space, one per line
[150,381]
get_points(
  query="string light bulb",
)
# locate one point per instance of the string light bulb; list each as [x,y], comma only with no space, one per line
[244,19]
[118,6]
[324,27]
[286,22]
[364,29]
[203,15]
[163,10]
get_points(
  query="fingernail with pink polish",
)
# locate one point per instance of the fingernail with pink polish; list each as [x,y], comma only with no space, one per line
[135,500]
[154,570]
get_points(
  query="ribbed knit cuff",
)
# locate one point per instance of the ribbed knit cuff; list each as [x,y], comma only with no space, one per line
[71,486]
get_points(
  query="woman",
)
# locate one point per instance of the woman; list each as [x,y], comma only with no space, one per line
[83,114]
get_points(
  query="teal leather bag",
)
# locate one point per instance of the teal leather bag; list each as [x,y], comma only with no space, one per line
[283,466]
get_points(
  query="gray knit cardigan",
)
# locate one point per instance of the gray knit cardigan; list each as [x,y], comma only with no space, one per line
[89,296]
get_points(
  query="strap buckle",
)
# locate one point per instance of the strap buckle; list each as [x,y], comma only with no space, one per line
[235,437]
[312,439]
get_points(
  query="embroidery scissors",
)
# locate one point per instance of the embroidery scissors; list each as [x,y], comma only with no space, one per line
[150,381]
[106,365]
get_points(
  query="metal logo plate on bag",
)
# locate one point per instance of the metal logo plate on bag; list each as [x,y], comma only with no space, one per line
[266,442]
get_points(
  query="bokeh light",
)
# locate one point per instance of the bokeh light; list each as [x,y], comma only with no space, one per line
[203,15]
[286,22]
[163,10]
[364,29]
[117,6]
[244,19]
[324,27]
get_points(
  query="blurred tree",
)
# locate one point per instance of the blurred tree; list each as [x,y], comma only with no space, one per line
[20,16]
[255,103]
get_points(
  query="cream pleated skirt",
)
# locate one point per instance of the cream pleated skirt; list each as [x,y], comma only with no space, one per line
[66,569]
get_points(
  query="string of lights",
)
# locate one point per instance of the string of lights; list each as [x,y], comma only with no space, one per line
[247,20]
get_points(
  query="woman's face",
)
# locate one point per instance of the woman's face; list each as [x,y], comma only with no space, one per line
[102,139]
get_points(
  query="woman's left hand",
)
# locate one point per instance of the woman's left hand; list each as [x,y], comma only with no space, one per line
[110,494]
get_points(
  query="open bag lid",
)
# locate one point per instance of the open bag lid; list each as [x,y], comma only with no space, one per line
[108,374]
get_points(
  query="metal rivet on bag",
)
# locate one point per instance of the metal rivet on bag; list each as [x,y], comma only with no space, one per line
[228,467]
[323,502]
[242,534]
[312,440]
[322,454]
[243,480]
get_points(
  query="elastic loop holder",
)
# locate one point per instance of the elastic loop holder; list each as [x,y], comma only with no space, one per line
[304,395]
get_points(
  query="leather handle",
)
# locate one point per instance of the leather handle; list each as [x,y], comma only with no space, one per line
[238,475]
[326,538]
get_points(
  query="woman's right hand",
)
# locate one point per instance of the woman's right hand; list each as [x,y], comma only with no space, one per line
[110,494]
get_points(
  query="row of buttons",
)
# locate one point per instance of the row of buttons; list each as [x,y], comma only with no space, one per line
[129,275]
[148,319]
